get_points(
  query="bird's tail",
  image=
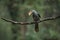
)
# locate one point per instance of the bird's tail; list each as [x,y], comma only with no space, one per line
[36,27]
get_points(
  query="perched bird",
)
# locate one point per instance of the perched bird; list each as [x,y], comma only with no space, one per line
[36,17]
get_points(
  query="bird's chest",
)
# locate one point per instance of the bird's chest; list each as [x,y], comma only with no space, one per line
[35,17]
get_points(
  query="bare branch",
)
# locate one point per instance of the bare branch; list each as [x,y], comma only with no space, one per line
[26,23]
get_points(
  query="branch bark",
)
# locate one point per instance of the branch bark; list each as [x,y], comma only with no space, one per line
[28,23]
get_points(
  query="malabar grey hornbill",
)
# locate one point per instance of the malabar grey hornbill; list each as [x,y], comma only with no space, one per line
[36,17]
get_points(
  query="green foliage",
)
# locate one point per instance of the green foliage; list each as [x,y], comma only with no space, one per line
[19,12]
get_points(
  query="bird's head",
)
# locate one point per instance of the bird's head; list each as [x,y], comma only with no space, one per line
[31,12]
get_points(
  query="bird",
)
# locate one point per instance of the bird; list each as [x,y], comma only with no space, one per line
[36,17]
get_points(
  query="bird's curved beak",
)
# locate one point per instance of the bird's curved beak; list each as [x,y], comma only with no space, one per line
[30,12]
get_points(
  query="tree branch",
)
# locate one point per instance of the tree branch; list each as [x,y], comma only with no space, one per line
[26,23]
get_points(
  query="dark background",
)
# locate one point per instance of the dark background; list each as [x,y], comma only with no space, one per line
[17,10]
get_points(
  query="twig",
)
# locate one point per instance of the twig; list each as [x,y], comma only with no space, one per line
[26,23]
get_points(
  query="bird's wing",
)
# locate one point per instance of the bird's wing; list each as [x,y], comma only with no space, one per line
[39,15]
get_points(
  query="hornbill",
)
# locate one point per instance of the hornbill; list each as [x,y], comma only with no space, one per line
[36,17]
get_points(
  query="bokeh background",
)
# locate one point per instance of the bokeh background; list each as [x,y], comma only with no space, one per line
[17,10]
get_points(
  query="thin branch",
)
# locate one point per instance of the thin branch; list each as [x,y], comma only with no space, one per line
[26,23]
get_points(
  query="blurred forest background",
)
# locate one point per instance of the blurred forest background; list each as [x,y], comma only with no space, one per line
[17,10]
